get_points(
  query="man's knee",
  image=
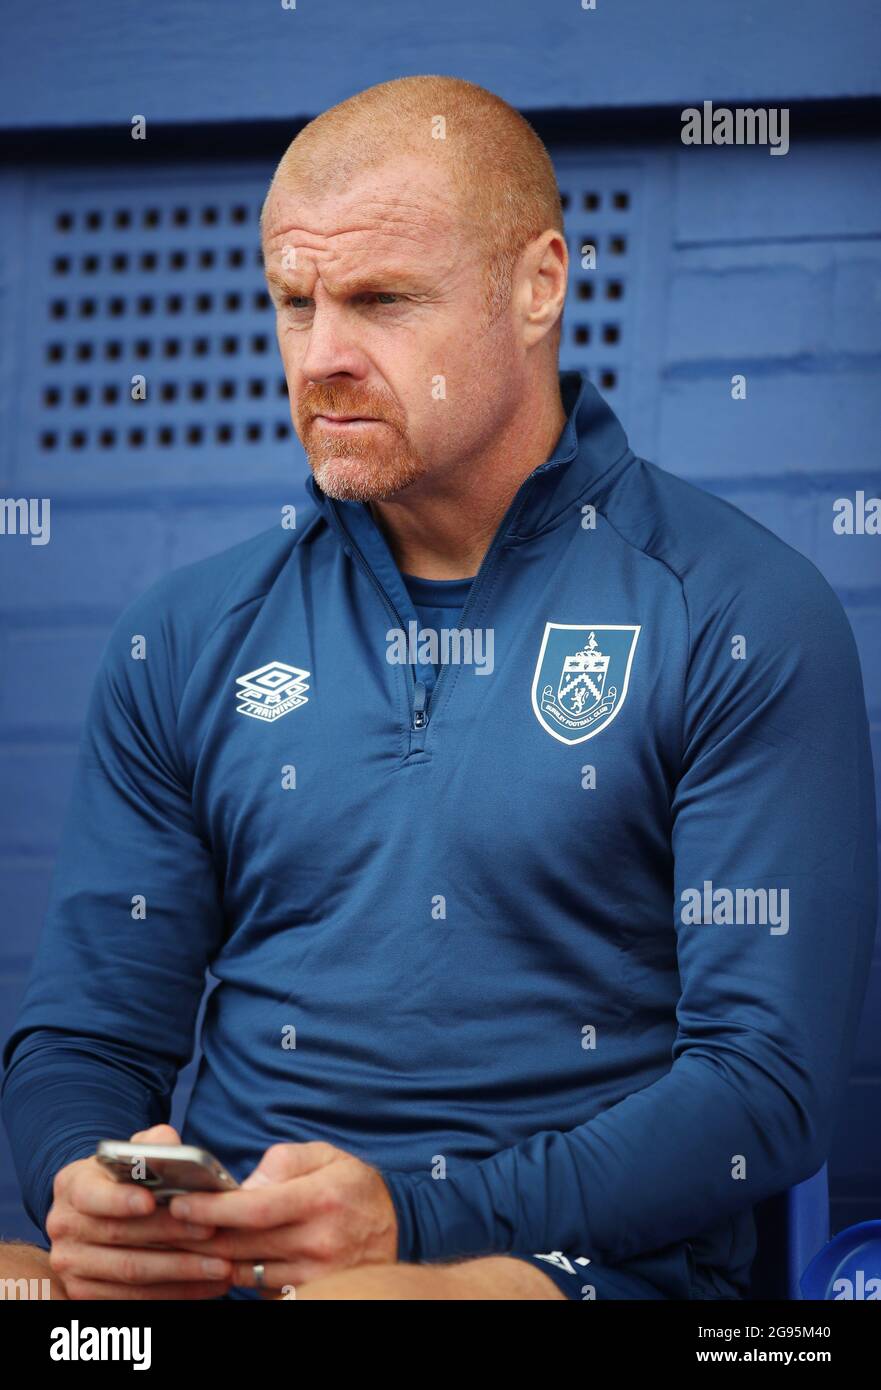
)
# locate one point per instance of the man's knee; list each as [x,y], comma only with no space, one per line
[484,1277]
[25,1272]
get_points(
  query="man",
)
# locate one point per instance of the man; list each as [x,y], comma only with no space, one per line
[541,955]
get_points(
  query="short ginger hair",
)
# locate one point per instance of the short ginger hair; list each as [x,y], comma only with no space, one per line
[501,175]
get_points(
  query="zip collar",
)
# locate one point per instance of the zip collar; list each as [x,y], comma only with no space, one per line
[591,442]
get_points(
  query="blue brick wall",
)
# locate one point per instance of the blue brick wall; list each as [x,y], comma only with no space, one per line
[775,273]
[737,263]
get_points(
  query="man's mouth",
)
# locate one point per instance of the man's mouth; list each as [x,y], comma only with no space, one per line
[348,420]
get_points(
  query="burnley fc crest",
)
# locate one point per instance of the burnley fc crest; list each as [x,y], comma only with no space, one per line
[581,677]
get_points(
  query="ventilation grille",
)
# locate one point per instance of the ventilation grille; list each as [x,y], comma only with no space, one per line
[597,212]
[167,284]
[170,290]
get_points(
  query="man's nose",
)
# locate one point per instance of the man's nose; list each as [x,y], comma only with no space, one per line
[332,348]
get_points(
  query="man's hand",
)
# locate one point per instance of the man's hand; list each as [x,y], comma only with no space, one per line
[102,1232]
[305,1211]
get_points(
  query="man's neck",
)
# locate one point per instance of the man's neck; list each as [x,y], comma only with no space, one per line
[441,529]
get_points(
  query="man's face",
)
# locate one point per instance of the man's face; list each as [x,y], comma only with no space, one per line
[379,300]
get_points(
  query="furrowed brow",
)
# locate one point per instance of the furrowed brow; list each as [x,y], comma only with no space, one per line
[376,280]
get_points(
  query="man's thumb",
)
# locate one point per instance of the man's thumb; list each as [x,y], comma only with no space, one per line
[158,1134]
[280,1163]
[257,1179]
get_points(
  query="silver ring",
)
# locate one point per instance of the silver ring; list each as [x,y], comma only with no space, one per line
[259,1275]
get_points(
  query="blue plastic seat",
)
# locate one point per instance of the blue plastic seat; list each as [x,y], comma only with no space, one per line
[791,1228]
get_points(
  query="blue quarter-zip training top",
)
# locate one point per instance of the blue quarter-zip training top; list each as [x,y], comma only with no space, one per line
[571,944]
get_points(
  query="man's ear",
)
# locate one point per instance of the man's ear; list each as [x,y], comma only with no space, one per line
[542,278]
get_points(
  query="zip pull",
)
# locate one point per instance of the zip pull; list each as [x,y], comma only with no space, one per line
[420,715]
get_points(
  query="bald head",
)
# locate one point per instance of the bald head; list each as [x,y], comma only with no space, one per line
[494,172]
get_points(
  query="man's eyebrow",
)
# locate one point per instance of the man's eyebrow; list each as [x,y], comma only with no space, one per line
[377,279]
[275,277]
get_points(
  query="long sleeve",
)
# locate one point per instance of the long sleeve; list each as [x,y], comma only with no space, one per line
[109,1012]
[775,793]
[62,1093]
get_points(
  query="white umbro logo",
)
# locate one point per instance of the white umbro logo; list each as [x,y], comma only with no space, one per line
[271,691]
[561,1261]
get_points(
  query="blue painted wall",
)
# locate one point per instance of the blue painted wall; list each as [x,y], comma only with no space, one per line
[216,60]
[116,258]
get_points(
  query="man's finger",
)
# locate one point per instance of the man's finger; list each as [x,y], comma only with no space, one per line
[134,1266]
[260,1207]
[253,1244]
[276,1276]
[93,1191]
[160,1228]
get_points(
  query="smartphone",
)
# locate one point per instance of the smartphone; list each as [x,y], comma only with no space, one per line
[167,1169]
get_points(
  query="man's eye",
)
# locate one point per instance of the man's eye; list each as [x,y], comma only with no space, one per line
[302,301]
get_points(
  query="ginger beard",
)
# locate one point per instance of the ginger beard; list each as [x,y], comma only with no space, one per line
[357,462]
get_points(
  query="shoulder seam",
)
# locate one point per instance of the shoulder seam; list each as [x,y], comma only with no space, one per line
[681,582]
